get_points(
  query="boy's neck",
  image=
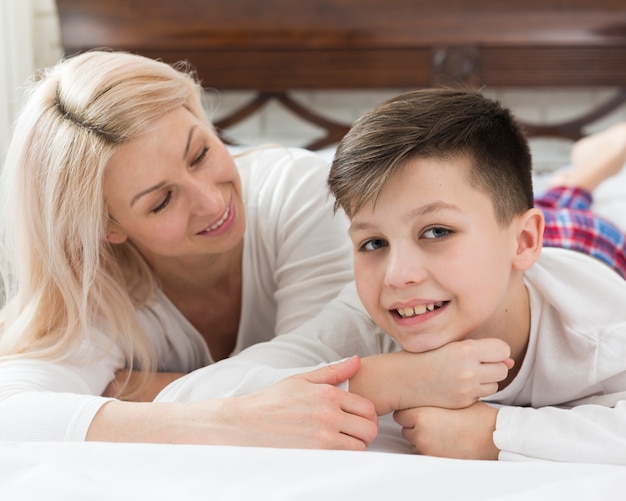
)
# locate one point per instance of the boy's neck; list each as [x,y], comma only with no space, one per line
[512,326]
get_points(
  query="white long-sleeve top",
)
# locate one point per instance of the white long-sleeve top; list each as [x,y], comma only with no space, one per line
[568,401]
[296,258]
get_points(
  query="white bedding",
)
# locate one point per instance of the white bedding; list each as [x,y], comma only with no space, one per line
[99,471]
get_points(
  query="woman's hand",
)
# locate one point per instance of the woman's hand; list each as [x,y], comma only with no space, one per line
[453,376]
[306,410]
[302,411]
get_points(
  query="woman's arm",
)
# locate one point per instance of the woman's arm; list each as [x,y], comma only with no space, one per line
[53,404]
[306,411]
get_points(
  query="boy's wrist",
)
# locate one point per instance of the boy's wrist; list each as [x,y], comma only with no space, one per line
[372,381]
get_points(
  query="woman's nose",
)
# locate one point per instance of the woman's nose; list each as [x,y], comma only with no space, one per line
[205,197]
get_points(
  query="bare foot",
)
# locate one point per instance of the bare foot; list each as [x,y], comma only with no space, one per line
[595,158]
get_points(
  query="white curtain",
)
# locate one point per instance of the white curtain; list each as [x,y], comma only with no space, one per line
[17,60]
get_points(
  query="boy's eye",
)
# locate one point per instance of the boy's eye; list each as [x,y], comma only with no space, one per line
[436,232]
[373,244]
[163,204]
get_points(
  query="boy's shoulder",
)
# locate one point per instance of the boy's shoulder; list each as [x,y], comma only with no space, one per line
[578,285]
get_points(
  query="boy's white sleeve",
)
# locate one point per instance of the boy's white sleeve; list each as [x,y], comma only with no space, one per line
[586,433]
[340,330]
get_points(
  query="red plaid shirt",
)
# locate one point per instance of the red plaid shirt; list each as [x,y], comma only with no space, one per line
[570,224]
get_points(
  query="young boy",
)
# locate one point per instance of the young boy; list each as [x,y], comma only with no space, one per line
[448,262]
[448,246]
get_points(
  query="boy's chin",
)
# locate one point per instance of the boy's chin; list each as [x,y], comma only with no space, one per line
[420,345]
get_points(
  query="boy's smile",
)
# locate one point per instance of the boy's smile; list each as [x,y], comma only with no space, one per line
[432,263]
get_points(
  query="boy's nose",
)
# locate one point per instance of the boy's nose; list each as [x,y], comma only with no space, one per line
[404,267]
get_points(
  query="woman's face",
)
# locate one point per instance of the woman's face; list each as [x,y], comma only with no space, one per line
[175,192]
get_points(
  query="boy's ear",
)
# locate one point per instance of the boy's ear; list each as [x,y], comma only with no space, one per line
[114,234]
[529,238]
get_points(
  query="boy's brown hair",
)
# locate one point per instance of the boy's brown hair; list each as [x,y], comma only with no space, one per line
[441,124]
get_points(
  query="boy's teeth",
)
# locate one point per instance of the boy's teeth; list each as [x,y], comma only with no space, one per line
[420,309]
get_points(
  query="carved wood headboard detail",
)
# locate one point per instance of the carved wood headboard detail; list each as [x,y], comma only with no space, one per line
[277,46]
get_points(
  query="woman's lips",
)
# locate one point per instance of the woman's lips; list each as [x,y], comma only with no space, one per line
[221,222]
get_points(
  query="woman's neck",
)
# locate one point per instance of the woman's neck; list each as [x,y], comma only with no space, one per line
[200,274]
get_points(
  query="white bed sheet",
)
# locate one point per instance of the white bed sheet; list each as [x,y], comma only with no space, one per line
[104,471]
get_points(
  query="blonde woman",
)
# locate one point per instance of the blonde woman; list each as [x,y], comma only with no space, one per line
[136,249]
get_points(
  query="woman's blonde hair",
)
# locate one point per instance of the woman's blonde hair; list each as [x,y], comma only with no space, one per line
[60,276]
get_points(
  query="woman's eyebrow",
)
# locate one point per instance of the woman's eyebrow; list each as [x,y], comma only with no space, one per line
[145,192]
[160,185]
[188,145]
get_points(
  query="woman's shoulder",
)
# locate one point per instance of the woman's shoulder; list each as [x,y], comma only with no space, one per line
[278,175]
[274,161]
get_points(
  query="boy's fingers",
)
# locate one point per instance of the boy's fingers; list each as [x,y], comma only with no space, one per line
[494,350]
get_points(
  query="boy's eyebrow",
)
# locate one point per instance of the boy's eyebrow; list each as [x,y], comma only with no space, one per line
[424,210]
[421,211]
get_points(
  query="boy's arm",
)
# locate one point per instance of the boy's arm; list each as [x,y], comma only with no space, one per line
[455,433]
[453,376]
[586,433]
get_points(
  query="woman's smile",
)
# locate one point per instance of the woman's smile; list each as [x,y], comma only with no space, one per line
[223,224]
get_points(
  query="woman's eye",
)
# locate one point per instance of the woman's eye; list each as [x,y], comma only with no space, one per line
[436,233]
[200,157]
[373,244]
[163,204]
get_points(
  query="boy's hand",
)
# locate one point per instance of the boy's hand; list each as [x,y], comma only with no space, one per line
[459,433]
[462,372]
[453,376]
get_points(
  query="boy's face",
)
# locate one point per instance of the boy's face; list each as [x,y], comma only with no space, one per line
[432,264]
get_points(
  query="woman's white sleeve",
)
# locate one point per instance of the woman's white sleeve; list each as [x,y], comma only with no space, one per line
[313,251]
[42,400]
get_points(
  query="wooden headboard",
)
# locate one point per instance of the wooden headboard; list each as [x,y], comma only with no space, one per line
[277,46]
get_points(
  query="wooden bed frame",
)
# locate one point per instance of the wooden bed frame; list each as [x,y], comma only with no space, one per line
[276,46]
